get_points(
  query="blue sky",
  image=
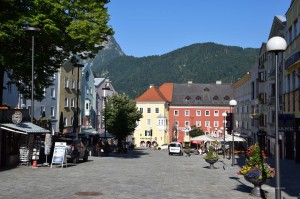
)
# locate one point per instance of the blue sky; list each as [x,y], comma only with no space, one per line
[155,27]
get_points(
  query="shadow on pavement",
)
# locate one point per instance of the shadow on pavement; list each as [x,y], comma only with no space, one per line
[135,153]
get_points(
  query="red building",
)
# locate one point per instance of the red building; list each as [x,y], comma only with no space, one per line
[198,105]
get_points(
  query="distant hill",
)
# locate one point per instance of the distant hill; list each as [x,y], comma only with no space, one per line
[200,63]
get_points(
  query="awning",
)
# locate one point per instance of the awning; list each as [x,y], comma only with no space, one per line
[23,128]
[88,131]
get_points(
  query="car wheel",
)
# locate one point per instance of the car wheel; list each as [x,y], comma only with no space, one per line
[86,157]
[76,160]
[159,148]
[170,154]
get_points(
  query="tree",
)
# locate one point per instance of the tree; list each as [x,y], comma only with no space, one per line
[121,116]
[67,28]
[196,131]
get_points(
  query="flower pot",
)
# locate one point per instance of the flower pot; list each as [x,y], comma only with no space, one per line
[256,191]
[211,163]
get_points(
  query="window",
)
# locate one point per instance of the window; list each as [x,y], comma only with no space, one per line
[207,123]
[148,122]
[198,113]
[66,103]
[66,82]
[72,102]
[198,123]
[44,92]
[216,123]
[226,98]
[73,84]
[65,121]
[52,92]
[156,110]
[148,110]
[198,98]
[141,110]
[186,112]
[72,120]
[187,123]
[87,91]
[216,113]
[9,90]
[187,134]
[42,110]
[207,113]
[176,123]
[87,107]
[52,110]
[176,113]
[187,98]
[215,98]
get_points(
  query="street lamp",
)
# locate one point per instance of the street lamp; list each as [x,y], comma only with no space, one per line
[32,29]
[276,44]
[105,90]
[224,115]
[77,99]
[232,103]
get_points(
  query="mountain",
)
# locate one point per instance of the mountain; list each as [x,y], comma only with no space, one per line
[199,63]
[110,51]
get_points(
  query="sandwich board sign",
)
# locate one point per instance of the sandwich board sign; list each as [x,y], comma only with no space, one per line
[59,154]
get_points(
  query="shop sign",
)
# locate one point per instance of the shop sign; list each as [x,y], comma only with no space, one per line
[17,117]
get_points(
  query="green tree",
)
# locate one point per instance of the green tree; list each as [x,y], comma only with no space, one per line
[67,28]
[121,116]
[196,131]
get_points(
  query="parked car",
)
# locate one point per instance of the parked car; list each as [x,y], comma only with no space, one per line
[163,147]
[175,148]
[75,150]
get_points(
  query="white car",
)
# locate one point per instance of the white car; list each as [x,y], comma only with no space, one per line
[175,148]
[163,147]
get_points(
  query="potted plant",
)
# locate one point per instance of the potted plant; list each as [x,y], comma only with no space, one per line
[211,157]
[256,170]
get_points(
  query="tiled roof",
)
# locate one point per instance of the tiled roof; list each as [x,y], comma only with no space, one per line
[152,94]
[25,128]
[192,94]
[167,90]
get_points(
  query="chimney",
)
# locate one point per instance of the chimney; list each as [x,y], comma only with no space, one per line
[151,85]
[190,82]
[219,82]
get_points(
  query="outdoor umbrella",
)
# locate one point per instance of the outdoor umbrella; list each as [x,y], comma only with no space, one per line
[203,138]
[228,138]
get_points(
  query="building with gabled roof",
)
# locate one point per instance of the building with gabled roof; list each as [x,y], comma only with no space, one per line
[153,129]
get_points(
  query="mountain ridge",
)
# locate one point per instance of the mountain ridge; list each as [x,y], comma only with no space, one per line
[200,63]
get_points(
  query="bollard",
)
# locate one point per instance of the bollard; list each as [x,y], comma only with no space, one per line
[34,164]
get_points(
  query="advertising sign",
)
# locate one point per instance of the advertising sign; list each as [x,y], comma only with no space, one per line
[59,154]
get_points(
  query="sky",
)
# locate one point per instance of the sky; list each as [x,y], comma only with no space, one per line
[155,27]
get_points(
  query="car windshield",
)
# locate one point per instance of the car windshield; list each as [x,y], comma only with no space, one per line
[174,145]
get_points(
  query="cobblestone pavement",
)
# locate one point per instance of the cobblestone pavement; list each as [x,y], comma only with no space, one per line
[142,173]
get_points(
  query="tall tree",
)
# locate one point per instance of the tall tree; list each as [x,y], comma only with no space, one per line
[196,131]
[67,28]
[121,116]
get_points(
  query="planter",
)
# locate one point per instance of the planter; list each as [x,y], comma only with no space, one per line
[211,163]
[256,191]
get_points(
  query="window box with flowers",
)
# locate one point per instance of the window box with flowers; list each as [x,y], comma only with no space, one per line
[256,170]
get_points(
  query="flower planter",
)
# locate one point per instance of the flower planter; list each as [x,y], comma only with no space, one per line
[256,191]
[211,163]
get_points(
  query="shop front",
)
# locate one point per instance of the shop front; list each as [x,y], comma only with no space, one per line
[16,133]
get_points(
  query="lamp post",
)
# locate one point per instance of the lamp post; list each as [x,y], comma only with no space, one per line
[32,29]
[232,103]
[77,97]
[276,44]
[224,115]
[105,90]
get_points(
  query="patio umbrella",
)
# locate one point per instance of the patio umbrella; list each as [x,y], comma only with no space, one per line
[228,138]
[203,138]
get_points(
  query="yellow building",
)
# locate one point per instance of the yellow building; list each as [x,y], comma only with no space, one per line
[67,95]
[153,129]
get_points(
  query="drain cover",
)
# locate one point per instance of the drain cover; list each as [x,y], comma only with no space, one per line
[88,193]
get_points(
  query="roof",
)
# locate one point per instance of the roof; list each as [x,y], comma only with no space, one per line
[192,94]
[167,90]
[152,94]
[98,81]
[23,128]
